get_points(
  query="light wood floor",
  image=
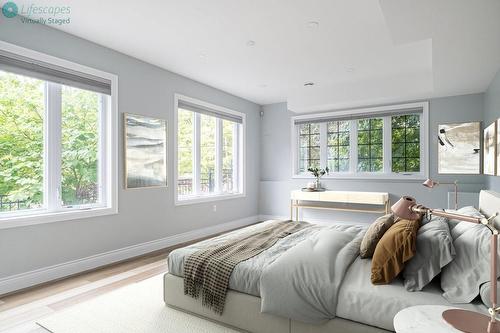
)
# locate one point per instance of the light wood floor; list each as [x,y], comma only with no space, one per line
[20,311]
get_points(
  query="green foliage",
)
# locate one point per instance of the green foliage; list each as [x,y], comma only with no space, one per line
[21,138]
[22,110]
[406,143]
[317,172]
[185,137]
[80,138]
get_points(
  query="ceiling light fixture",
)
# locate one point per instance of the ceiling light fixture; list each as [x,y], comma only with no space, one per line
[263,85]
[313,24]
[350,69]
[308,84]
[250,43]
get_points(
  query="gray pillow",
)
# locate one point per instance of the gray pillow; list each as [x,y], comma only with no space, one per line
[434,251]
[484,291]
[373,235]
[461,279]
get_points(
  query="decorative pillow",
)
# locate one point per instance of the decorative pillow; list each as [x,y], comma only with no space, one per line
[373,235]
[396,247]
[485,290]
[434,251]
[461,279]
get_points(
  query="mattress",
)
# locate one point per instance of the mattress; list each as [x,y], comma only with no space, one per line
[361,301]
[246,275]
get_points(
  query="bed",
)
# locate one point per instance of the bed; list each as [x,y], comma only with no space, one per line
[359,305]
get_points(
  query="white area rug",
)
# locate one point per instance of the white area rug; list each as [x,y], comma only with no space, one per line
[137,308]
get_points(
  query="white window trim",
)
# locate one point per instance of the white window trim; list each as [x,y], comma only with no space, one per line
[109,144]
[240,170]
[372,111]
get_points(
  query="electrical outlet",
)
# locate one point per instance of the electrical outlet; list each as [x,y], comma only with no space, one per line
[214,208]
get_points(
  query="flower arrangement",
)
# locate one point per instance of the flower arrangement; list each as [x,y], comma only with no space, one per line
[318,173]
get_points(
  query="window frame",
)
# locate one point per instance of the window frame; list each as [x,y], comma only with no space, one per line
[108,142]
[384,112]
[239,161]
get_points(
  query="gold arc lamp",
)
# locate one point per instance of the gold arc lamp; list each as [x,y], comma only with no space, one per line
[432,183]
[463,320]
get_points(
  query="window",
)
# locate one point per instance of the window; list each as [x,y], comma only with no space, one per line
[56,140]
[381,142]
[309,146]
[405,143]
[370,145]
[209,151]
[338,146]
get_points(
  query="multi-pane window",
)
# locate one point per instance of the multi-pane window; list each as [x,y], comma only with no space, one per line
[209,152]
[370,145]
[376,142]
[338,138]
[405,143]
[309,146]
[53,140]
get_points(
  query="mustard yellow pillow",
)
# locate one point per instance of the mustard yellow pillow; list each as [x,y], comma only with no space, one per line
[397,246]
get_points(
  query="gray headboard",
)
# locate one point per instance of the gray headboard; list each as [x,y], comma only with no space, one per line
[489,204]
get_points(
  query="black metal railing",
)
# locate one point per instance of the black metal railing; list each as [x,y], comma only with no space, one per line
[207,183]
[10,205]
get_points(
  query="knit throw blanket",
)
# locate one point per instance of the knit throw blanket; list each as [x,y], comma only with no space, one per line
[207,271]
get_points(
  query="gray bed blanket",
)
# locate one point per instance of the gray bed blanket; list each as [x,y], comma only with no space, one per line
[303,284]
[207,271]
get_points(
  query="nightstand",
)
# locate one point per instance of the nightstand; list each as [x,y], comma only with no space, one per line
[422,319]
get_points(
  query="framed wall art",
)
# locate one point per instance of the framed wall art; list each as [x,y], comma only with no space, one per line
[489,149]
[145,151]
[459,148]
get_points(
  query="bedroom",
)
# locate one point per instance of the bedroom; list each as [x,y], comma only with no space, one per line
[203,117]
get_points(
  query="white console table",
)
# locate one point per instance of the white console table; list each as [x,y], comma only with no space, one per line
[377,202]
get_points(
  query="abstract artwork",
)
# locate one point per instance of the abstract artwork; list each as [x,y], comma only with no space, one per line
[145,151]
[459,148]
[498,147]
[489,147]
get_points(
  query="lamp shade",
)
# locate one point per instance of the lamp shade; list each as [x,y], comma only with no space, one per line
[402,208]
[430,183]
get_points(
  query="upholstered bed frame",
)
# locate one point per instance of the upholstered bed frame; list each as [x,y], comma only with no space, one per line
[242,311]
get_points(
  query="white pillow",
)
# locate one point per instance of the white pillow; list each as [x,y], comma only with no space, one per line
[435,250]
[462,278]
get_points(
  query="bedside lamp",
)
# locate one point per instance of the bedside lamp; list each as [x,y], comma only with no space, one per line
[463,320]
[431,184]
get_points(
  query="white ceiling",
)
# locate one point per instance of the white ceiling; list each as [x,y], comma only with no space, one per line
[362,52]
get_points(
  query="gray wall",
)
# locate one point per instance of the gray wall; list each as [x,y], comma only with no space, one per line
[144,214]
[276,164]
[491,113]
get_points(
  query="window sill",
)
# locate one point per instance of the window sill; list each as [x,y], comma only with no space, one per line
[368,176]
[34,218]
[191,200]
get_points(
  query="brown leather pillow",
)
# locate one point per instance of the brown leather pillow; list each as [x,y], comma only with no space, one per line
[397,246]
[373,235]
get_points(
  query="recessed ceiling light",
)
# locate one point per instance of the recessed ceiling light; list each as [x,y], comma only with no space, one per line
[350,69]
[263,85]
[250,43]
[313,24]
[308,84]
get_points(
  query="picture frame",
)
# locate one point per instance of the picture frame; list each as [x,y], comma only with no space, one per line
[145,151]
[459,148]
[498,148]
[490,149]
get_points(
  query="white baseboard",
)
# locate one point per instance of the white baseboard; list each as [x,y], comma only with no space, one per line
[28,279]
